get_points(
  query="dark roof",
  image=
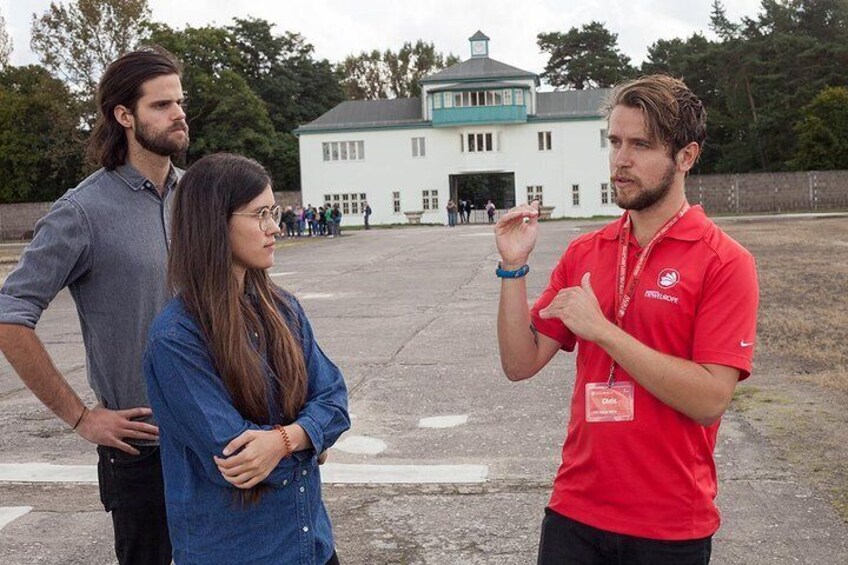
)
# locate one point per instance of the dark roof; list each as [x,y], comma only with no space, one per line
[469,85]
[369,113]
[478,36]
[356,114]
[478,68]
[571,103]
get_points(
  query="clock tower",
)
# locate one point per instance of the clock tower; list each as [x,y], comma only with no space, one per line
[479,45]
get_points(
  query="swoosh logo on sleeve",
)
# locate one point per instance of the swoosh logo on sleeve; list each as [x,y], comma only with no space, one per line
[744,343]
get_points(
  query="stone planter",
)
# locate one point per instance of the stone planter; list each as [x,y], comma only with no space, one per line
[414,217]
[545,212]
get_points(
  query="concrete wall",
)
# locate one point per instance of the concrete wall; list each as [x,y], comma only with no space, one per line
[770,192]
[18,220]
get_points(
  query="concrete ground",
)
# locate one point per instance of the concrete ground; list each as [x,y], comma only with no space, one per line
[409,316]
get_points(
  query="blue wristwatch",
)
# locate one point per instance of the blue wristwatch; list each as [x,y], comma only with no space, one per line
[516,274]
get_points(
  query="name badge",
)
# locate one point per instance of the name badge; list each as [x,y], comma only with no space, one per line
[609,404]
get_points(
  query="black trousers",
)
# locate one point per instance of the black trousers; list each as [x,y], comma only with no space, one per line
[567,542]
[133,491]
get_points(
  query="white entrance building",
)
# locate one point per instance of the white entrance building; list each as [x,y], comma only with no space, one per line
[480,131]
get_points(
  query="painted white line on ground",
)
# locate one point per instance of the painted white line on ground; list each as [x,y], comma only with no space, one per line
[337,473]
[443,421]
[9,514]
[345,473]
[362,445]
[282,274]
[47,473]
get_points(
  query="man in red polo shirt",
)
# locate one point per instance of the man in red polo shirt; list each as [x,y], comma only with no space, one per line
[662,307]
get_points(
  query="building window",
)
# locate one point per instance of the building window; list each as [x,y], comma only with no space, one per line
[519,98]
[603,138]
[437,100]
[575,195]
[418,148]
[534,193]
[430,199]
[544,140]
[507,97]
[396,202]
[605,194]
[448,100]
[479,142]
[343,150]
[348,203]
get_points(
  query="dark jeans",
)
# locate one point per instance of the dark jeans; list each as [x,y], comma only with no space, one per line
[132,490]
[567,542]
[334,560]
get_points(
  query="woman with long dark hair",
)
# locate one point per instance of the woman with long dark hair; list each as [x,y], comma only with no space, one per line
[245,400]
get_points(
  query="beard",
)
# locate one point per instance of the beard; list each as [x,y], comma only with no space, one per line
[160,143]
[646,197]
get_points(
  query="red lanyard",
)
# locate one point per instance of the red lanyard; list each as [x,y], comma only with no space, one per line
[626,288]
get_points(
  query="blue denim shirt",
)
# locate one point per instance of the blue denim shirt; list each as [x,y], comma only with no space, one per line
[197,419]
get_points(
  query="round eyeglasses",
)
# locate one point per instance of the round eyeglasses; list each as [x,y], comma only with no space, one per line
[268,217]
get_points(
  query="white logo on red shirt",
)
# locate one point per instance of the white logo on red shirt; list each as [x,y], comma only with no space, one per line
[668,278]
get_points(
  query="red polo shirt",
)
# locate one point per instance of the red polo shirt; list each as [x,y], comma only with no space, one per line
[654,476]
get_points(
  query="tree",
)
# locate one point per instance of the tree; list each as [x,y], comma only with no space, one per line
[720,24]
[374,75]
[823,132]
[5,43]
[584,58]
[41,150]
[78,41]
[282,71]
[756,79]
[248,88]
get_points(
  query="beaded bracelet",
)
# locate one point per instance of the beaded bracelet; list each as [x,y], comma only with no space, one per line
[286,440]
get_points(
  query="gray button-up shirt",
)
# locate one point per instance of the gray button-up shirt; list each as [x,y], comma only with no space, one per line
[107,241]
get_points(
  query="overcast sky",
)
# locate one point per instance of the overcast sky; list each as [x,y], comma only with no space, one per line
[337,28]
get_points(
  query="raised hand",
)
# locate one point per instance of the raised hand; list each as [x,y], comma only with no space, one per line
[515,234]
[111,427]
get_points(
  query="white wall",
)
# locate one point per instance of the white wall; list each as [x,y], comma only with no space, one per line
[576,158]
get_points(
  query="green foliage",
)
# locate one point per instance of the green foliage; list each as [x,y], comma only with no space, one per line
[41,153]
[823,132]
[584,58]
[375,75]
[248,88]
[757,78]
[77,41]
[5,43]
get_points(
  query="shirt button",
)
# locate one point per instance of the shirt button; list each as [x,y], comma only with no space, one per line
[304,472]
[305,528]
[285,482]
[302,489]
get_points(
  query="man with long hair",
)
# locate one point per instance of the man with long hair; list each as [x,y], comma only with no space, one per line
[662,307]
[107,241]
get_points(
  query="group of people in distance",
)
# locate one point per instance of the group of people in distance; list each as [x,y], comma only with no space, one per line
[216,406]
[308,221]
